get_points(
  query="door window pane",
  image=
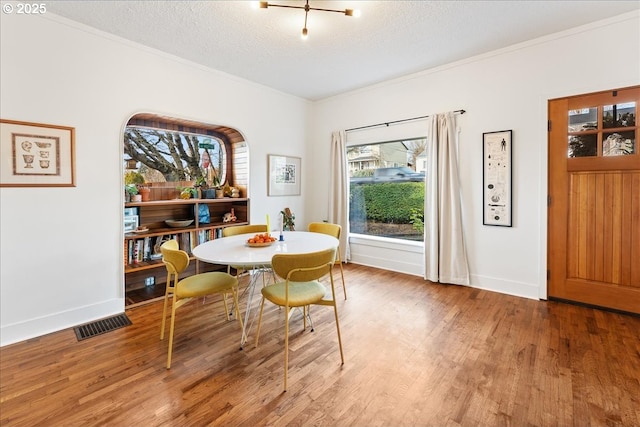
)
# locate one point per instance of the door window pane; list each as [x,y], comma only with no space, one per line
[583,119]
[618,143]
[619,115]
[583,145]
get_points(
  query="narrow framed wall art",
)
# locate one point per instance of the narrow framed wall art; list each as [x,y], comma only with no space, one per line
[497,150]
[36,155]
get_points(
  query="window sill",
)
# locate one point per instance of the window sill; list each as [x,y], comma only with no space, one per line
[386,242]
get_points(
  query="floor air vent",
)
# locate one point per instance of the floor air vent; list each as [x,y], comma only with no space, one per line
[101,326]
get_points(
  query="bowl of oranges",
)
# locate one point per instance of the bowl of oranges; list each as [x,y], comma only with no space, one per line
[260,240]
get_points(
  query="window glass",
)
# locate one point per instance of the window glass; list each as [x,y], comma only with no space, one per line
[166,156]
[583,142]
[387,189]
[583,145]
[583,119]
[619,115]
[619,143]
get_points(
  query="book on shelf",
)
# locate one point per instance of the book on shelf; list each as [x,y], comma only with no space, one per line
[146,254]
[206,235]
[139,251]
[134,252]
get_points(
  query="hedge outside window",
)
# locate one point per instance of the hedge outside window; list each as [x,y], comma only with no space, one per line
[386,192]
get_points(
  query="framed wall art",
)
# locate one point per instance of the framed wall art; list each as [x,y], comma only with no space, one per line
[496,178]
[284,175]
[36,155]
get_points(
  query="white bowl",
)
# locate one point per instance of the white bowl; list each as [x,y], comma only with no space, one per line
[178,223]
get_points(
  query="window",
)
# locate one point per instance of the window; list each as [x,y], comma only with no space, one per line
[168,156]
[386,191]
[603,130]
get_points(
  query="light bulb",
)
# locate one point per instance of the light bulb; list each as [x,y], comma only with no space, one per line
[352,12]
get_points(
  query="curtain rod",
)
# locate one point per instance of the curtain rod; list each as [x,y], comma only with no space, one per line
[396,121]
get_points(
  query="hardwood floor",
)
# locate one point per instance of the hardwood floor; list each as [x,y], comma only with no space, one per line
[415,354]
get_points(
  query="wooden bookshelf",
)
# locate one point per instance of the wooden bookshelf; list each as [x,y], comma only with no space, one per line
[143,265]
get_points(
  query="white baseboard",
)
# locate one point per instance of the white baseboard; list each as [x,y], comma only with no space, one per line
[16,332]
[509,287]
[401,256]
[408,258]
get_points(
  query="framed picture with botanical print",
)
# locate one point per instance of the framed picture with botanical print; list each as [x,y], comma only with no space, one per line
[36,155]
[284,175]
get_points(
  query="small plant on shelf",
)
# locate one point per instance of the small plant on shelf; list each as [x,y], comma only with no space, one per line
[188,192]
[288,220]
[130,190]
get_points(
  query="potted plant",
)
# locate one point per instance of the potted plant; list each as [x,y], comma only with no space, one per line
[288,220]
[205,192]
[188,192]
[133,181]
[130,190]
[144,192]
[216,184]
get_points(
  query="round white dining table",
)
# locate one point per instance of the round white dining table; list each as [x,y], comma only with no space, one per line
[234,250]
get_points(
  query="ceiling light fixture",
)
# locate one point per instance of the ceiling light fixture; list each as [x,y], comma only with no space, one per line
[307,8]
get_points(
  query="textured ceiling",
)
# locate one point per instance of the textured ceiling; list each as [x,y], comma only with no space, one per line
[390,38]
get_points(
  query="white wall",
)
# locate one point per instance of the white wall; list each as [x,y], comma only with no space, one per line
[61,248]
[506,89]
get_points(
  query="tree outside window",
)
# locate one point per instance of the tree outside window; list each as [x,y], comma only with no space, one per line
[176,156]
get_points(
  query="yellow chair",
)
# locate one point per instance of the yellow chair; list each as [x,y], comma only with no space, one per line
[242,229]
[300,289]
[198,285]
[332,230]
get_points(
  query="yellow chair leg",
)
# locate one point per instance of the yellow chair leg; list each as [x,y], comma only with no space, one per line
[226,309]
[344,286]
[259,322]
[335,310]
[304,316]
[164,309]
[286,347]
[171,329]
[164,316]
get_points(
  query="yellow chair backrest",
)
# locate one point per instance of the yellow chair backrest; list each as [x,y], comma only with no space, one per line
[244,229]
[303,267]
[174,259]
[325,228]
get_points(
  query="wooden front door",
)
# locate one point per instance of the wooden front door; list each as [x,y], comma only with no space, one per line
[594,199]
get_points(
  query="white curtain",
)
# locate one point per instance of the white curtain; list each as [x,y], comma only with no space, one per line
[445,254]
[339,189]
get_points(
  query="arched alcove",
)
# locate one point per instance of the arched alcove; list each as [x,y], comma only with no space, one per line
[175,150]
